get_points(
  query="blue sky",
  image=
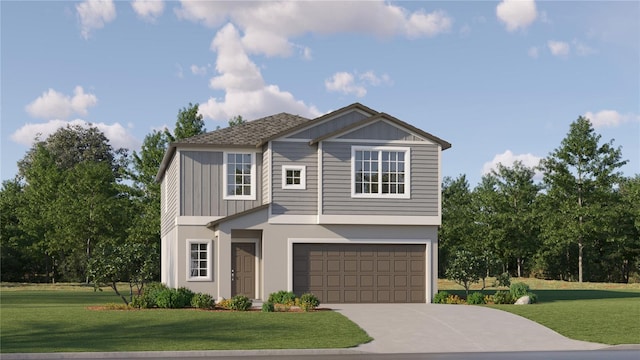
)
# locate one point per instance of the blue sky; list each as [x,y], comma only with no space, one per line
[501,81]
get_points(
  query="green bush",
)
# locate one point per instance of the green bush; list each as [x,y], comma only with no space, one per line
[532,297]
[240,303]
[440,297]
[268,307]
[502,297]
[475,298]
[203,301]
[149,295]
[308,302]
[503,279]
[282,297]
[454,299]
[518,290]
[174,298]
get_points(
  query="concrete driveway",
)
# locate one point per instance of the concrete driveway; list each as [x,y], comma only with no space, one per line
[437,328]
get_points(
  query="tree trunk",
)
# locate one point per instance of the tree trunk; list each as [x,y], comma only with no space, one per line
[580,246]
[519,267]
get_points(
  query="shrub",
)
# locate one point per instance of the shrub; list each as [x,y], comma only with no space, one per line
[475,298]
[139,302]
[518,290]
[440,297]
[174,298]
[240,303]
[503,279]
[502,297]
[454,299]
[488,299]
[268,307]
[308,302]
[282,297]
[225,304]
[532,297]
[149,295]
[203,301]
[183,298]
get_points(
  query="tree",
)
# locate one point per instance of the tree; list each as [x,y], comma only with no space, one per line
[457,219]
[466,268]
[236,120]
[188,123]
[579,178]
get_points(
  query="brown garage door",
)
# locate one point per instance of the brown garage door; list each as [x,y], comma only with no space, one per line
[360,273]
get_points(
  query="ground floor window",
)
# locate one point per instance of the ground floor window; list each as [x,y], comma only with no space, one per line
[199,252]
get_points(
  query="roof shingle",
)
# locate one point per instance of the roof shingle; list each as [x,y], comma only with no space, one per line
[250,133]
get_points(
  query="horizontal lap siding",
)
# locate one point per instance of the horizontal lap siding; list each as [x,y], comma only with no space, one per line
[169,194]
[337,184]
[201,185]
[294,201]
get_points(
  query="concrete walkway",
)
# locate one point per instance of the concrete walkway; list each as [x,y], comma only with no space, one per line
[436,328]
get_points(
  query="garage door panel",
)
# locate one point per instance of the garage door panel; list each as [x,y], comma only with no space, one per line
[365,273]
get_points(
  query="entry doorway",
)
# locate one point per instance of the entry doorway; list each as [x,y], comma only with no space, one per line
[243,269]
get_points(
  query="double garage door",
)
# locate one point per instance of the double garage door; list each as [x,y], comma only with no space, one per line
[360,273]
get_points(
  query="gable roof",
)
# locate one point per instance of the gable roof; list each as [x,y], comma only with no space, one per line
[250,133]
[382,116]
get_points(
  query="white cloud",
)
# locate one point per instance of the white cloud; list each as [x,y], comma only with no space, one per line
[508,158]
[348,83]
[268,26]
[94,14]
[148,10]
[52,104]
[344,82]
[199,70]
[533,52]
[517,14]
[559,48]
[117,134]
[609,118]
[246,93]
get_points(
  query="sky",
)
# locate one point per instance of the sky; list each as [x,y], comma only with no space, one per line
[500,80]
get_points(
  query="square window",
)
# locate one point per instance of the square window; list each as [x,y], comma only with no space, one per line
[294,177]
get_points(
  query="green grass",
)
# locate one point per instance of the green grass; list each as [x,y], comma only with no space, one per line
[59,321]
[602,313]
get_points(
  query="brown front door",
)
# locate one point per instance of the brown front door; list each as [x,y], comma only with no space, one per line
[243,269]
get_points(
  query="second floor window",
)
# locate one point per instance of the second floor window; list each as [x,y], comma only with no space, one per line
[239,176]
[380,172]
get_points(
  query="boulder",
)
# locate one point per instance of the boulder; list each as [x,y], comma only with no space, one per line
[524,300]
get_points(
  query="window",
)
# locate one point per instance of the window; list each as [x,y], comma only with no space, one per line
[380,172]
[239,176]
[294,177]
[199,252]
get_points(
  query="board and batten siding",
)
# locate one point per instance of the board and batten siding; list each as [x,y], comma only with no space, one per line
[266,163]
[201,191]
[294,201]
[329,126]
[169,197]
[336,183]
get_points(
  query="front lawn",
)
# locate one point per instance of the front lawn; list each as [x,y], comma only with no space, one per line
[602,313]
[59,321]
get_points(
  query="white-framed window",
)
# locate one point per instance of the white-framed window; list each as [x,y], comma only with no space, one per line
[294,177]
[380,172]
[239,178]
[199,260]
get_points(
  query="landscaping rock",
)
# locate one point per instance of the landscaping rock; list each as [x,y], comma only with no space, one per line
[524,300]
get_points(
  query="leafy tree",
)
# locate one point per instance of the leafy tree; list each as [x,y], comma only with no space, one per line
[579,178]
[457,219]
[466,268]
[237,120]
[188,123]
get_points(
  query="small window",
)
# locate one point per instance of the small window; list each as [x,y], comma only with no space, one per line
[199,253]
[294,177]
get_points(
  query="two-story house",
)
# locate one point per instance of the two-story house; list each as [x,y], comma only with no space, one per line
[346,206]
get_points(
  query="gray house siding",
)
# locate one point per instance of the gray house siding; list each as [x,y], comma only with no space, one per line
[295,201]
[380,130]
[336,185]
[329,126]
[266,185]
[169,197]
[201,192]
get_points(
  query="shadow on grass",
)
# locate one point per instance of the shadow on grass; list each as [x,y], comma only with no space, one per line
[563,295]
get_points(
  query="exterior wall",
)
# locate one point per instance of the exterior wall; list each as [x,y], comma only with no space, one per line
[183,235]
[336,183]
[169,197]
[276,247]
[201,179]
[294,201]
[381,130]
[266,169]
[330,126]
[169,258]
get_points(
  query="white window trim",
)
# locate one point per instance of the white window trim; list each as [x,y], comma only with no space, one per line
[303,177]
[209,244]
[226,196]
[407,175]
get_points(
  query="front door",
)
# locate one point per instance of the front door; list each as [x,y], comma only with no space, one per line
[243,269]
